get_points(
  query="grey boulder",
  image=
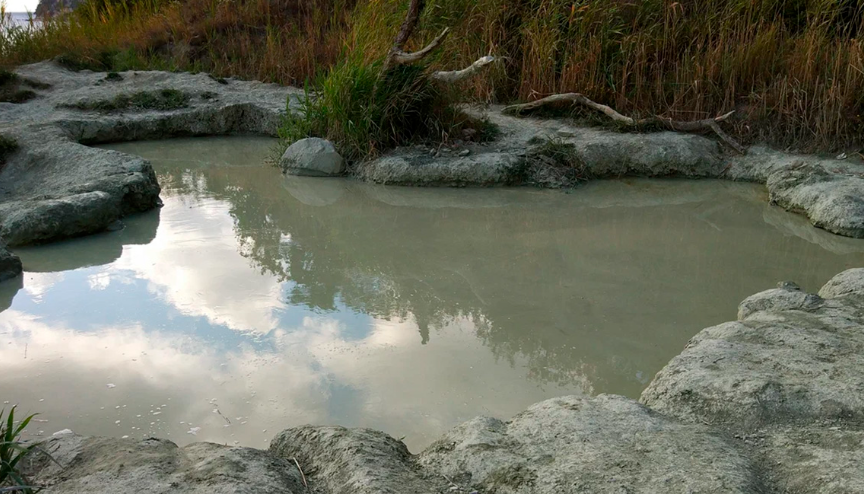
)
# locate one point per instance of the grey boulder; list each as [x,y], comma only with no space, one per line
[312,157]
[792,357]
[604,444]
[573,444]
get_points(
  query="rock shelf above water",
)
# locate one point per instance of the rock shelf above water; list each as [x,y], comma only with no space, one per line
[54,186]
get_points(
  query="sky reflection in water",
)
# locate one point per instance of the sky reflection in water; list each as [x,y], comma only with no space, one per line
[252,302]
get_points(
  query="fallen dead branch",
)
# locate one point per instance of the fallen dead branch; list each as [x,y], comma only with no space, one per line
[711,124]
[457,75]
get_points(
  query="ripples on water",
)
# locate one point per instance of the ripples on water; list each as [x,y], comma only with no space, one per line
[251,302]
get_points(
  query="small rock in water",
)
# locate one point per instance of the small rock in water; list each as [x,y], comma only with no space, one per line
[312,156]
[64,432]
[110,386]
[465,152]
[842,156]
[193,431]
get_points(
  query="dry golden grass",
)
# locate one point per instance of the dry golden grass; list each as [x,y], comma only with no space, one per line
[794,69]
[271,40]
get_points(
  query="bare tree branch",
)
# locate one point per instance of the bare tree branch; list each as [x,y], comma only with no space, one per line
[400,57]
[689,126]
[458,75]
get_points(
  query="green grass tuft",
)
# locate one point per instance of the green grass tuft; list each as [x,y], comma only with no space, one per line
[13,450]
[163,100]
[364,112]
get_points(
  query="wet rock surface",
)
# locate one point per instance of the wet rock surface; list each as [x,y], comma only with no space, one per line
[53,186]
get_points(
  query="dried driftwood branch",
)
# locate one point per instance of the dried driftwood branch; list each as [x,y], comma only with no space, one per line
[458,75]
[400,57]
[397,54]
[579,99]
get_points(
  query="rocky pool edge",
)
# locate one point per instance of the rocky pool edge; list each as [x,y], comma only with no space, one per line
[55,186]
[771,402]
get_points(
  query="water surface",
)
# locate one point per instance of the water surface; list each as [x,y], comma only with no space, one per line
[252,302]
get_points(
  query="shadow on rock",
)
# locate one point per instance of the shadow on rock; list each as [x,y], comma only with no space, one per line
[93,250]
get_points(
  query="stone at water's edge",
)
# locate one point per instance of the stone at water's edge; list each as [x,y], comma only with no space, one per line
[359,461]
[791,357]
[312,157]
[771,403]
[10,264]
[605,444]
[101,465]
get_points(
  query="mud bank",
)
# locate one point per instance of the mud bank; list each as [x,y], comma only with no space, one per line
[769,403]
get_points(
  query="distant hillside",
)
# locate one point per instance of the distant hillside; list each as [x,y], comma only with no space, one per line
[55,6]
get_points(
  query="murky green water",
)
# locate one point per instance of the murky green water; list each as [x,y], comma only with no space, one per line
[253,302]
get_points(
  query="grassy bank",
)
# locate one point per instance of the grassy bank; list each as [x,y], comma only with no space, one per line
[794,69]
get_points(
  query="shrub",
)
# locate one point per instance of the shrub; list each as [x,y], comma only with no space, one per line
[364,111]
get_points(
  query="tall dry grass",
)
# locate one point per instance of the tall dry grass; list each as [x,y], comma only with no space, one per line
[794,69]
[283,41]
